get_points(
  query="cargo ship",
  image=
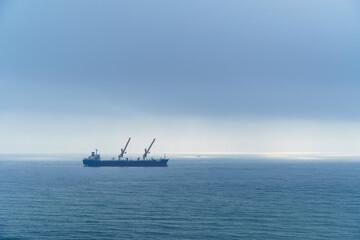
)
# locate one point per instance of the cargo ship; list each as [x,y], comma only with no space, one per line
[94,160]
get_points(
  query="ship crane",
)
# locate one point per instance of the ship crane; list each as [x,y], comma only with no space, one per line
[147,151]
[123,150]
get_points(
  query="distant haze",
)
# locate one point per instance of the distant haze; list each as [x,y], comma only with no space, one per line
[200,76]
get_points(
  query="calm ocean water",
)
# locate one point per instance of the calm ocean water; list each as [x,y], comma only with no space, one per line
[193,198]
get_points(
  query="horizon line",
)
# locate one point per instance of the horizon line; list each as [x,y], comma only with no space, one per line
[203,153]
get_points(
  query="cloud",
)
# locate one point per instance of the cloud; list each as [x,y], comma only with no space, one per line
[209,60]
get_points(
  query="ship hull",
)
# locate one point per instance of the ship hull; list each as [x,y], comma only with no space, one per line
[124,163]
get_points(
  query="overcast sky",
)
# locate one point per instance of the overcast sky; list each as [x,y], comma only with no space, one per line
[200,76]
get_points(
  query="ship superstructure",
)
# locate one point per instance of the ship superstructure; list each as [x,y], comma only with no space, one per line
[94,160]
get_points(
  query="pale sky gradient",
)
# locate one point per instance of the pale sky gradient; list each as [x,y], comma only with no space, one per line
[200,76]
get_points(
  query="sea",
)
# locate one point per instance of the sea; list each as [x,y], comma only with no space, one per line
[195,197]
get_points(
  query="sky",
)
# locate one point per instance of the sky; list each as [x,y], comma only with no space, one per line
[199,76]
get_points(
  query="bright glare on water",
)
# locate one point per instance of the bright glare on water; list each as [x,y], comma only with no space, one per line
[193,198]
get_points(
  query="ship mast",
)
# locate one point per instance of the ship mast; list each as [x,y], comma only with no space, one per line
[147,151]
[124,149]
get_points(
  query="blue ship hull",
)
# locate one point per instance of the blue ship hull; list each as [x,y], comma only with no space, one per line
[126,163]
